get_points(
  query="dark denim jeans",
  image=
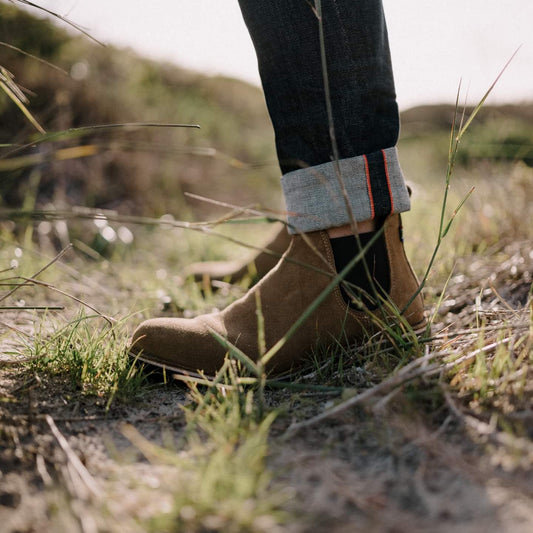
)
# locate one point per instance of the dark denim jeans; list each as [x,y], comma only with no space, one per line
[286,37]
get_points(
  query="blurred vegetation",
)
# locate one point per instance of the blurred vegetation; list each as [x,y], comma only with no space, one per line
[500,133]
[146,171]
[142,171]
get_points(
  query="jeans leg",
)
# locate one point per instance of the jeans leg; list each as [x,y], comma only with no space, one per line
[286,37]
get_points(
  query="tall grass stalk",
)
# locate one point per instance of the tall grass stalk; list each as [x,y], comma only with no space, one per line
[335,147]
[8,162]
[457,132]
[59,17]
[34,57]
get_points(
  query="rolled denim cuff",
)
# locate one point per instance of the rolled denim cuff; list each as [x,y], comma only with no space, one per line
[374,186]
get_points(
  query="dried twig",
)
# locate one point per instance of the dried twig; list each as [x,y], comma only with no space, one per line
[32,308]
[489,431]
[275,216]
[417,368]
[40,465]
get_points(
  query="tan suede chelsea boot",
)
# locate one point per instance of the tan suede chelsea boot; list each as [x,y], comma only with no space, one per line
[301,276]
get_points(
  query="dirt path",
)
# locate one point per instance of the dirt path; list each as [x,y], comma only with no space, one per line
[361,473]
[68,464]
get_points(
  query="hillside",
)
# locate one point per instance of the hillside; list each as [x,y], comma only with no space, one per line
[145,171]
[142,171]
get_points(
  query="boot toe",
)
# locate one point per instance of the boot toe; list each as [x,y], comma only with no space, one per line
[178,344]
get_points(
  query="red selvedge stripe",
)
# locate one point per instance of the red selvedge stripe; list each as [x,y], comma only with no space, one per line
[369,186]
[388,180]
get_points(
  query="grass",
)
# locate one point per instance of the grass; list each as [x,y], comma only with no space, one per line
[224,456]
[224,467]
[226,485]
[90,356]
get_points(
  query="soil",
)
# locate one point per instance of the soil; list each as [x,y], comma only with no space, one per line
[393,470]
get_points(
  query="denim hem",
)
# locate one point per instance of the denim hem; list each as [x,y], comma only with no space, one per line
[374,185]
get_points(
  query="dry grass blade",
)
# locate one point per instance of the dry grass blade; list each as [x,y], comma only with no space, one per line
[11,89]
[63,19]
[40,466]
[278,217]
[36,58]
[476,110]
[62,154]
[14,328]
[331,123]
[51,287]
[184,378]
[154,454]
[32,308]
[38,273]
[83,131]
[334,145]
[82,473]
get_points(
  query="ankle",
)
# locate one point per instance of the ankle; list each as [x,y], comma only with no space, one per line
[364,226]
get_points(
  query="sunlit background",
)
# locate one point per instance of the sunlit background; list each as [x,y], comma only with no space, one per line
[435,44]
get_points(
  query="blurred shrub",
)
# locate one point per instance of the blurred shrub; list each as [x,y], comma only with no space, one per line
[142,171]
[501,133]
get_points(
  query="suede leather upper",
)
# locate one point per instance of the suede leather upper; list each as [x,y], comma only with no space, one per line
[285,293]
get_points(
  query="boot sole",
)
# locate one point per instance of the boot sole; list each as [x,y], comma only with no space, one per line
[418,329]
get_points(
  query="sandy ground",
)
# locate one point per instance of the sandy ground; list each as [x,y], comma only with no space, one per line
[67,465]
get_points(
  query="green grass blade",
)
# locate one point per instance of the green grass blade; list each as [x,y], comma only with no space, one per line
[36,58]
[321,297]
[478,107]
[235,353]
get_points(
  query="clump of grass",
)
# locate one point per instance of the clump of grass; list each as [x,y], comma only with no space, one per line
[368,362]
[492,390]
[220,482]
[92,357]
